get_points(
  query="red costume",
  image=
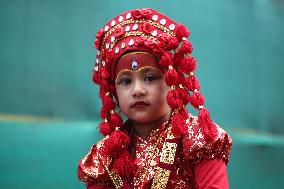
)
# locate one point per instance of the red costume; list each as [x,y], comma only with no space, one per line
[184,152]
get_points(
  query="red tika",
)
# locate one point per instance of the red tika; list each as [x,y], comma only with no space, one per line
[164,161]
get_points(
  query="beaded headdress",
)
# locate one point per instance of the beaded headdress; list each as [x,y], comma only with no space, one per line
[149,31]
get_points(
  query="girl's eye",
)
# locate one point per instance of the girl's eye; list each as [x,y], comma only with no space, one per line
[150,77]
[124,81]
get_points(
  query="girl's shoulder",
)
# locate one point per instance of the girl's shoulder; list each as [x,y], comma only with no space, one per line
[91,168]
[196,147]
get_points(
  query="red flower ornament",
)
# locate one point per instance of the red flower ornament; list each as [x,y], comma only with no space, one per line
[97,44]
[119,32]
[168,41]
[100,34]
[146,13]
[137,14]
[147,28]
[140,40]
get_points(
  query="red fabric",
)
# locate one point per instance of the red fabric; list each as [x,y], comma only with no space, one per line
[93,186]
[211,174]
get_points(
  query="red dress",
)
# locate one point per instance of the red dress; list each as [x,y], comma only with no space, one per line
[163,161]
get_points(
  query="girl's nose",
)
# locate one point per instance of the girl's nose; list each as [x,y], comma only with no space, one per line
[138,89]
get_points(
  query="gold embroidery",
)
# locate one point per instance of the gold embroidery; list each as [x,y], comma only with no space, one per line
[131,21]
[161,178]
[116,180]
[168,153]
[170,135]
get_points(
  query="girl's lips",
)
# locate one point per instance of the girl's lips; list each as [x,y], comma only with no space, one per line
[139,104]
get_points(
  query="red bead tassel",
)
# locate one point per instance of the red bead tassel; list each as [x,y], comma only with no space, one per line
[105,128]
[166,59]
[124,165]
[191,83]
[171,77]
[187,65]
[207,125]
[182,31]
[115,120]
[186,47]
[197,100]
[179,126]
[173,99]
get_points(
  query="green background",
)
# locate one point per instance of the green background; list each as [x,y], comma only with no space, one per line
[49,108]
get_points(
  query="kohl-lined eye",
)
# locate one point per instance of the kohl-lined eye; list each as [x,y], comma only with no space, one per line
[124,81]
[150,77]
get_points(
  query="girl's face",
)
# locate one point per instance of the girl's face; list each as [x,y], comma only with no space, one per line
[142,94]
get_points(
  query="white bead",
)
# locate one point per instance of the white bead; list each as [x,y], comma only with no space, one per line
[112,38]
[103,63]
[135,27]
[116,50]
[172,27]
[131,42]
[106,28]
[184,38]
[107,45]
[123,45]
[154,33]
[127,28]
[155,17]
[97,60]
[112,23]
[96,68]
[163,21]
[98,53]
[120,19]
[128,15]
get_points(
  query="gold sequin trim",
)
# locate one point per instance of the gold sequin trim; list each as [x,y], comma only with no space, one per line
[168,153]
[131,21]
[161,178]
[116,180]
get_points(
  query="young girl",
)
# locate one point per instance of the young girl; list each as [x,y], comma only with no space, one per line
[145,69]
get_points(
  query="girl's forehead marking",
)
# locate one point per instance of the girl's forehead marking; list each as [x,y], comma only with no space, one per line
[134,64]
[141,70]
[136,61]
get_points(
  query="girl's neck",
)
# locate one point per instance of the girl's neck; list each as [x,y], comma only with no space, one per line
[143,129]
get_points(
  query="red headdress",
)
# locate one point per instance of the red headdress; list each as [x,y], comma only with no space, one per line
[150,31]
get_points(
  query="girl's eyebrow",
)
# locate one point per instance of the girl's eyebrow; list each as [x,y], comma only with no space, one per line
[150,69]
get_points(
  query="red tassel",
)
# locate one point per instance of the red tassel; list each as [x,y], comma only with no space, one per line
[187,65]
[112,89]
[207,125]
[105,128]
[197,99]
[118,141]
[177,59]
[108,103]
[171,77]
[191,83]
[178,125]
[181,31]
[115,120]
[97,77]
[173,99]
[166,59]
[184,96]
[186,47]
[124,165]
[183,112]
[104,113]
[104,73]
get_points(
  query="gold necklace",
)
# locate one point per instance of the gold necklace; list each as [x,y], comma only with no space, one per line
[145,173]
